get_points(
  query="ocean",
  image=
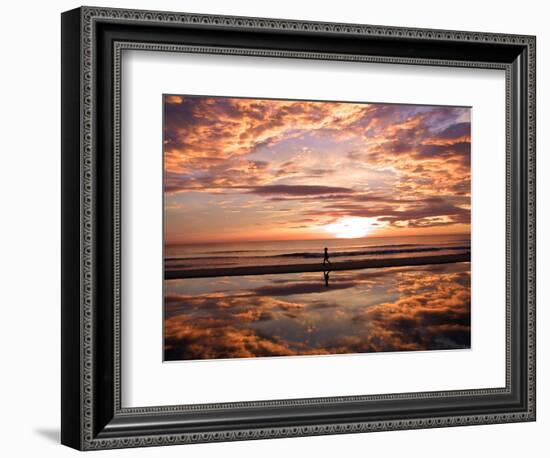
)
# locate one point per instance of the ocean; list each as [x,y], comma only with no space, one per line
[233,254]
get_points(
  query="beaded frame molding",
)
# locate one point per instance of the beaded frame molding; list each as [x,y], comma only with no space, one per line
[93,40]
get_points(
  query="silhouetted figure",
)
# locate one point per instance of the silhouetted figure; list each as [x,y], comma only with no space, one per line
[326,260]
[326,275]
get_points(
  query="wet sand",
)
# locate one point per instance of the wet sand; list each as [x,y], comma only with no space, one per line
[297,268]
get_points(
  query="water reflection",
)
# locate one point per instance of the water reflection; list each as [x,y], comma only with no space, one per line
[371,310]
[326,275]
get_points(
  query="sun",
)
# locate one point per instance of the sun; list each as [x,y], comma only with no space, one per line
[350,227]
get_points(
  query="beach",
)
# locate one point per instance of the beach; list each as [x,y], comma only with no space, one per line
[408,308]
[315,267]
[282,298]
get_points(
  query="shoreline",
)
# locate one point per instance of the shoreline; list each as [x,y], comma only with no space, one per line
[299,268]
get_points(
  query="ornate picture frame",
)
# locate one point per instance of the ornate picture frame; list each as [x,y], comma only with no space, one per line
[93,416]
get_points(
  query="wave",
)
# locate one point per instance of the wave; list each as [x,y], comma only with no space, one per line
[389,250]
[236,251]
[370,252]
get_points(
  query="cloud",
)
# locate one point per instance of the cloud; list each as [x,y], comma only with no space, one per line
[432,211]
[300,288]
[299,190]
[422,318]
[173,99]
[384,157]
[458,130]
[212,339]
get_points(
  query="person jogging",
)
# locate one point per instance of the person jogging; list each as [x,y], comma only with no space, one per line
[326,260]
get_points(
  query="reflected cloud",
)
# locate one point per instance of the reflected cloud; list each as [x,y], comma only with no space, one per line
[375,310]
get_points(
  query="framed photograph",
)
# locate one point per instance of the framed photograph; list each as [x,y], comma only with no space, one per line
[276,228]
[314,228]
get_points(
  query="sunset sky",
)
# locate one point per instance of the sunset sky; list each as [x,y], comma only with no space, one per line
[253,169]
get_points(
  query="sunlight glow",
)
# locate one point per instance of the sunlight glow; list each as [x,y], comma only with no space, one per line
[350,227]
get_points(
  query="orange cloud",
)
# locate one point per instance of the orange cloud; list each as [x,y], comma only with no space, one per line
[415,160]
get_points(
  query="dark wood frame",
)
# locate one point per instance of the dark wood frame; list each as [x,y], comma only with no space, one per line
[92,42]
